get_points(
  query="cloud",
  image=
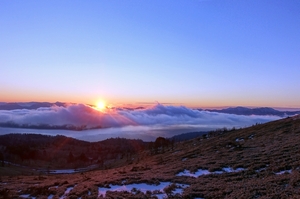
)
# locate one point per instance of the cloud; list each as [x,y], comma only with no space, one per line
[159,115]
[146,124]
[74,114]
[182,116]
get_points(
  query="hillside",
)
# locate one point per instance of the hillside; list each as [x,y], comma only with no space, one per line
[60,152]
[262,161]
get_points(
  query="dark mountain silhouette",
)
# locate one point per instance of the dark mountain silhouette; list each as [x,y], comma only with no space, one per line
[24,149]
[48,127]
[28,105]
[254,111]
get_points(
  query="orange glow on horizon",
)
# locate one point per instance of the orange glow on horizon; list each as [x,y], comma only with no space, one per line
[23,95]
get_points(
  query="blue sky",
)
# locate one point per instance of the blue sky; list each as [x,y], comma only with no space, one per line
[193,53]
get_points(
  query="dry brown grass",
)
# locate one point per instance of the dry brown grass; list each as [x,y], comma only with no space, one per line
[270,148]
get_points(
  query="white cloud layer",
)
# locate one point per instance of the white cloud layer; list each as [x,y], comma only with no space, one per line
[158,115]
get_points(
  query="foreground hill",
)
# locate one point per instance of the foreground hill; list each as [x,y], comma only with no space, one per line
[262,161]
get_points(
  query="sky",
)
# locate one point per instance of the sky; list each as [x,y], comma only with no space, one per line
[196,53]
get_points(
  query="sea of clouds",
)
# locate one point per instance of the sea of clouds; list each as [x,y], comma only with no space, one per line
[158,118]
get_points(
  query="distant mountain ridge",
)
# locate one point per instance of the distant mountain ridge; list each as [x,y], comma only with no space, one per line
[254,111]
[28,105]
[23,148]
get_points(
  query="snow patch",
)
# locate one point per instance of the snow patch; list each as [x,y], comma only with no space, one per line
[284,171]
[53,187]
[201,172]
[239,140]
[50,196]
[260,170]
[27,196]
[231,170]
[68,190]
[157,190]
[251,136]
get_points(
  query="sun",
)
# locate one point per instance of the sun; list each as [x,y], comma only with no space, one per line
[101,105]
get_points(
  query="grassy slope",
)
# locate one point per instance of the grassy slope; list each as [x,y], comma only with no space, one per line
[273,146]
